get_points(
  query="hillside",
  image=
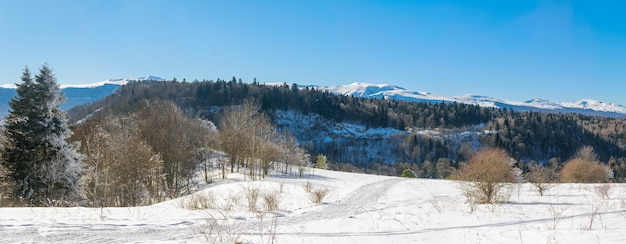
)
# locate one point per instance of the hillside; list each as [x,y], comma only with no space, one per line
[358,209]
[426,134]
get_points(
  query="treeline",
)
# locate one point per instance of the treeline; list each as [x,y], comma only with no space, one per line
[199,96]
[155,151]
[526,136]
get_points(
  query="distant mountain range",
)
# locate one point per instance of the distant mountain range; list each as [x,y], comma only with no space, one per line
[584,106]
[75,94]
[86,93]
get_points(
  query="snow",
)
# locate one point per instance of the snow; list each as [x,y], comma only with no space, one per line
[584,106]
[358,209]
[334,129]
[119,82]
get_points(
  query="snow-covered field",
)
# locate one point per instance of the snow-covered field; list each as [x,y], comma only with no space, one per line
[358,209]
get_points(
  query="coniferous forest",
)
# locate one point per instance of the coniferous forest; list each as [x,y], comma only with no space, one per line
[456,130]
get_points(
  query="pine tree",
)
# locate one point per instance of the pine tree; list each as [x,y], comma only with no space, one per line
[44,167]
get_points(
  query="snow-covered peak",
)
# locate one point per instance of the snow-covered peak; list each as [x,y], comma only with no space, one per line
[120,82]
[150,77]
[364,89]
[97,84]
[585,106]
[597,106]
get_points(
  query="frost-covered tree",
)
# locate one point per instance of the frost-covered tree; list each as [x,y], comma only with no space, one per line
[44,167]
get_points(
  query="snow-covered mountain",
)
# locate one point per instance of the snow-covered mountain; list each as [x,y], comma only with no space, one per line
[119,82]
[75,94]
[78,94]
[584,106]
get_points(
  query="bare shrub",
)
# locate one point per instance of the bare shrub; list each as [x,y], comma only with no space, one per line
[271,229]
[595,208]
[317,195]
[199,201]
[541,177]
[557,216]
[282,187]
[233,201]
[308,187]
[602,191]
[487,175]
[252,194]
[584,168]
[272,200]
[221,228]
[438,205]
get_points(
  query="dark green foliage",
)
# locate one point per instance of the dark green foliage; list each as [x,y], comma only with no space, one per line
[408,173]
[39,160]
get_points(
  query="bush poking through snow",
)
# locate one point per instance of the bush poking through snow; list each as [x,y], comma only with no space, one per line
[222,228]
[585,168]
[308,187]
[272,200]
[541,177]
[486,176]
[199,201]
[252,194]
[317,195]
[602,191]
[408,173]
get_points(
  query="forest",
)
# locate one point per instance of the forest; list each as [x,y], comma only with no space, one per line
[149,141]
[529,137]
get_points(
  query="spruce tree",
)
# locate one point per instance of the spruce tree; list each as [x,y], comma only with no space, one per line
[44,167]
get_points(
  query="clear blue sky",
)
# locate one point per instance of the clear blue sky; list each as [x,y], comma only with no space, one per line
[518,50]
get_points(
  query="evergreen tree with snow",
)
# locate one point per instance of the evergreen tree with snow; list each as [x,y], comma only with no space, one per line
[43,166]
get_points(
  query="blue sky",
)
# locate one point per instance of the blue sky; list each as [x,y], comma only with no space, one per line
[518,50]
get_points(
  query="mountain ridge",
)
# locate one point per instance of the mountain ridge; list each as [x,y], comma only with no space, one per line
[78,94]
[583,106]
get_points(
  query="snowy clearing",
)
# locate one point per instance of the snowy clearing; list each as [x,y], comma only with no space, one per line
[358,208]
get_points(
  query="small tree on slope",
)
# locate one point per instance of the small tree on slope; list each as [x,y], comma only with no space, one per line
[585,168]
[44,167]
[487,174]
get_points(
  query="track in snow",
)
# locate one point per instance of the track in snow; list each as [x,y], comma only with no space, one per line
[357,202]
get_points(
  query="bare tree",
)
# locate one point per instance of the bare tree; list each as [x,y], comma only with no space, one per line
[542,177]
[251,140]
[121,169]
[235,131]
[293,155]
[210,146]
[176,138]
[585,168]
[486,175]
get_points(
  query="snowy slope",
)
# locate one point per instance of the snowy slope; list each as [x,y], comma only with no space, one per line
[358,209]
[585,106]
